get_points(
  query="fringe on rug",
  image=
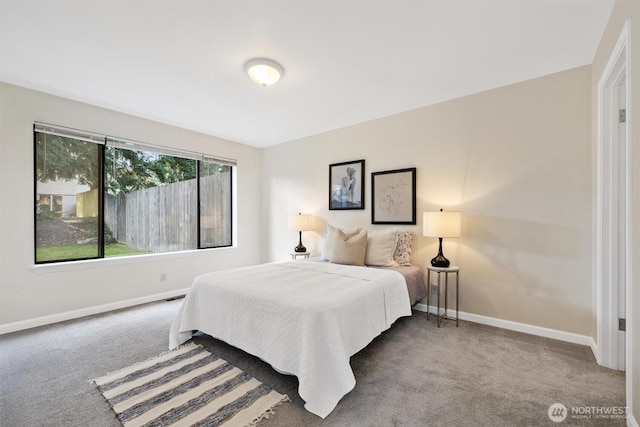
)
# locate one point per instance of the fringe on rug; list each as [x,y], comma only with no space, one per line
[266,414]
[164,353]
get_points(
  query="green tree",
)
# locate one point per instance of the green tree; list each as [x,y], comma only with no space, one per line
[208,168]
[65,159]
[61,158]
[170,169]
[129,170]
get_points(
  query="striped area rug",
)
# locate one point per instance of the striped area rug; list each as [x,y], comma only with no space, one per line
[187,386]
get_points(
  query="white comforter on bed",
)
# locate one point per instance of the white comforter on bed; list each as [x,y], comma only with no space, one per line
[304,318]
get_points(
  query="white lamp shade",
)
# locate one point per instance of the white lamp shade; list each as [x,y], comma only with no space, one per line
[300,222]
[441,224]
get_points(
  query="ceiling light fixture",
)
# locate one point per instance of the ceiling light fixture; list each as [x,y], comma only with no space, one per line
[264,72]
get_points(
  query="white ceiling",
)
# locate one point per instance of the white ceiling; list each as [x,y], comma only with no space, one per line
[346,61]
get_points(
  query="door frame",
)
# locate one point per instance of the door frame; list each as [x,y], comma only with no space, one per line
[608,217]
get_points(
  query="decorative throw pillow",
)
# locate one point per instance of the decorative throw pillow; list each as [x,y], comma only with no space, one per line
[381,245]
[402,253]
[332,233]
[349,250]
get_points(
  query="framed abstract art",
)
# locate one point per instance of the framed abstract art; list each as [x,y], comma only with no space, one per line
[393,196]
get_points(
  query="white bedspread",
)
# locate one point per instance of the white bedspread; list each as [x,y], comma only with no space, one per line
[304,318]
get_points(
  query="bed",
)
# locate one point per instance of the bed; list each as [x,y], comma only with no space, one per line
[303,317]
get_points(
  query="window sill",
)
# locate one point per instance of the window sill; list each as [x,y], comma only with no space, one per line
[108,262]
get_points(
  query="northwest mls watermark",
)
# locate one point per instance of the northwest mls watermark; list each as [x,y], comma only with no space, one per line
[558,412]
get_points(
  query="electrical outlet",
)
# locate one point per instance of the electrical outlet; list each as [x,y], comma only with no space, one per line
[163,277]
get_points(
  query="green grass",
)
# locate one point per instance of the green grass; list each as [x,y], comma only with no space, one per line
[120,249]
[66,252]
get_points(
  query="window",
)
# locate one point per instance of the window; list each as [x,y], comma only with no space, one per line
[66,168]
[99,196]
[215,204]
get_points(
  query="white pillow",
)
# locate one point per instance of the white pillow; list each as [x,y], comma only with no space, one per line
[349,250]
[381,245]
[329,243]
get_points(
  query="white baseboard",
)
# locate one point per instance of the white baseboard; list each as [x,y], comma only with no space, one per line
[519,327]
[61,317]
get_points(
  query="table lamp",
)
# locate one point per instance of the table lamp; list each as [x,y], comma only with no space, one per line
[300,223]
[441,224]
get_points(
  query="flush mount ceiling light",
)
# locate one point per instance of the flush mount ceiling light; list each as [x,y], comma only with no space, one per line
[264,72]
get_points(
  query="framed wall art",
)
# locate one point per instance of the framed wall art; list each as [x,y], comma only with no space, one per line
[346,185]
[393,196]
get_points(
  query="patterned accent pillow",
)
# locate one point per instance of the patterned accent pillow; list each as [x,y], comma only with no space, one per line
[402,255]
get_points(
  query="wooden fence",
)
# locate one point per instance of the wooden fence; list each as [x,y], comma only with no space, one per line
[215,210]
[163,218]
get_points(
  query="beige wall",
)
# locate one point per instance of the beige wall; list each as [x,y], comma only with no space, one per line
[623,11]
[516,161]
[27,293]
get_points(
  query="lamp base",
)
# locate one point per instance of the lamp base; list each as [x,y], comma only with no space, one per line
[300,247]
[440,261]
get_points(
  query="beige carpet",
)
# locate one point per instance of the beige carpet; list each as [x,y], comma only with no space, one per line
[413,375]
[416,375]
